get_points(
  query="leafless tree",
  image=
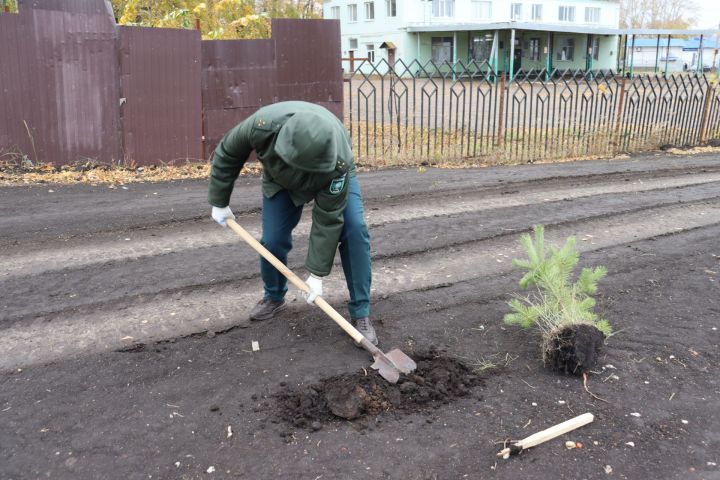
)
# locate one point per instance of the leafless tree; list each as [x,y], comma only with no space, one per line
[657,13]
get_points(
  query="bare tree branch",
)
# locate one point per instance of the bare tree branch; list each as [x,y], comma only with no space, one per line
[657,13]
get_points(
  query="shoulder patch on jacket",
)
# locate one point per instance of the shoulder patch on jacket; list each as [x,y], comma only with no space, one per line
[263,124]
[337,185]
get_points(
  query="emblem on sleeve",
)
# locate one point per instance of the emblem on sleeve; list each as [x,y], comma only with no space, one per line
[337,185]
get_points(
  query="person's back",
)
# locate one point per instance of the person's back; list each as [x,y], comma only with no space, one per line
[306,156]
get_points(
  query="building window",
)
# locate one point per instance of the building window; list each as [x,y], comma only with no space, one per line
[567,50]
[481,9]
[516,11]
[592,15]
[481,48]
[442,49]
[353,44]
[352,12]
[535,49]
[443,8]
[335,12]
[537,11]
[391,7]
[566,14]
[596,48]
[370,52]
[369,10]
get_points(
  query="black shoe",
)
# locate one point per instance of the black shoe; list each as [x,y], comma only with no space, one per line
[267,309]
[364,326]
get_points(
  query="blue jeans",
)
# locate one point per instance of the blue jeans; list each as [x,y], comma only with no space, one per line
[280,216]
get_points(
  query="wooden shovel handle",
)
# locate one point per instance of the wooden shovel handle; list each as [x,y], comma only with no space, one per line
[556,431]
[547,434]
[295,280]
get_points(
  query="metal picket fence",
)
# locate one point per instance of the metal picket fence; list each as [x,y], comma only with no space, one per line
[453,112]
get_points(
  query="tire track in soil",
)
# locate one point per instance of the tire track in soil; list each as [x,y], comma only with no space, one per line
[176,271]
[151,241]
[84,210]
[218,308]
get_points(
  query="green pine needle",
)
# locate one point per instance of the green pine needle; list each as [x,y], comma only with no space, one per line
[557,301]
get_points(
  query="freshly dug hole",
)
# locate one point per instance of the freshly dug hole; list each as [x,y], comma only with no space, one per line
[437,380]
[574,349]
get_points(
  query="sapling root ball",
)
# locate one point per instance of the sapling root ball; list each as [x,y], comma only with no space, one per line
[574,349]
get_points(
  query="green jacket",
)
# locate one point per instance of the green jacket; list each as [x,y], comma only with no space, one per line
[304,149]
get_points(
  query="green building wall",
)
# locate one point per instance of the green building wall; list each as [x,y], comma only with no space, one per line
[607,58]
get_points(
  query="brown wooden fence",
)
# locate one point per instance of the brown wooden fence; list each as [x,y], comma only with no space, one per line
[74,86]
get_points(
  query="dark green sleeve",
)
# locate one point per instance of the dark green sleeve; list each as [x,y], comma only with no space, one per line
[327,225]
[228,159]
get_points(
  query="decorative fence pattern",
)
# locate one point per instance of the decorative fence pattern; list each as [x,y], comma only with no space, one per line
[414,111]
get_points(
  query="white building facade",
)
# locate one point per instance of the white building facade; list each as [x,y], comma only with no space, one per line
[578,34]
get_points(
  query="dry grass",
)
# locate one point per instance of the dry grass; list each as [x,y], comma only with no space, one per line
[16,170]
[693,150]
[378,146]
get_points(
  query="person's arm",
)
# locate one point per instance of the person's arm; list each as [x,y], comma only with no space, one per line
[327,225]
[228,159]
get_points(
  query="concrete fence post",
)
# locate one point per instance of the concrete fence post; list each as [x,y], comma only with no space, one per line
[500,130]
[709,97]
[619,115]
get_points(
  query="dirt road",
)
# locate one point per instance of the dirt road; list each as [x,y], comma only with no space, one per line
[108,296]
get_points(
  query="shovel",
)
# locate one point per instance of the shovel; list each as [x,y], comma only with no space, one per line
[389,365]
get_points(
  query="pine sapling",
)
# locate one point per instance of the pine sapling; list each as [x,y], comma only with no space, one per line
[563,310]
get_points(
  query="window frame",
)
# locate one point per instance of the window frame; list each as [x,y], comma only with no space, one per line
[352,43]
[595,47]
[536,11]
[335,12]
[440,8]
[369,10]
[477,8]
[391,12]
[445,42]
[481,47]
[595,11]
[569,11]
[370,52]
[352,7]
[516,6]
[535,49]
[566,45]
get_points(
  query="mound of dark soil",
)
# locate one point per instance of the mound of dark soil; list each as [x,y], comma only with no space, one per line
[575,349]
[437,380]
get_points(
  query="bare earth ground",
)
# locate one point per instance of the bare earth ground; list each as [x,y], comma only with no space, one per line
[107,295]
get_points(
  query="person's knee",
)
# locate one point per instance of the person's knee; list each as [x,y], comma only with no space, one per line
[277,245]
[355,231]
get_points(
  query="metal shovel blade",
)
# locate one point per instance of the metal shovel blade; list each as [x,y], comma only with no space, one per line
[401,361]
[390,365]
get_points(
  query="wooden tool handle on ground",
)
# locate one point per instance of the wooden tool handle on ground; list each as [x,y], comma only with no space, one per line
[550,433]
[556,431]
[295,280]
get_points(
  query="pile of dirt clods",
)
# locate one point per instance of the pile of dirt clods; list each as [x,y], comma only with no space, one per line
[437,380]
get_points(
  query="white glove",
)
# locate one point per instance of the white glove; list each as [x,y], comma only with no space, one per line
[315,284]
[220,215]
